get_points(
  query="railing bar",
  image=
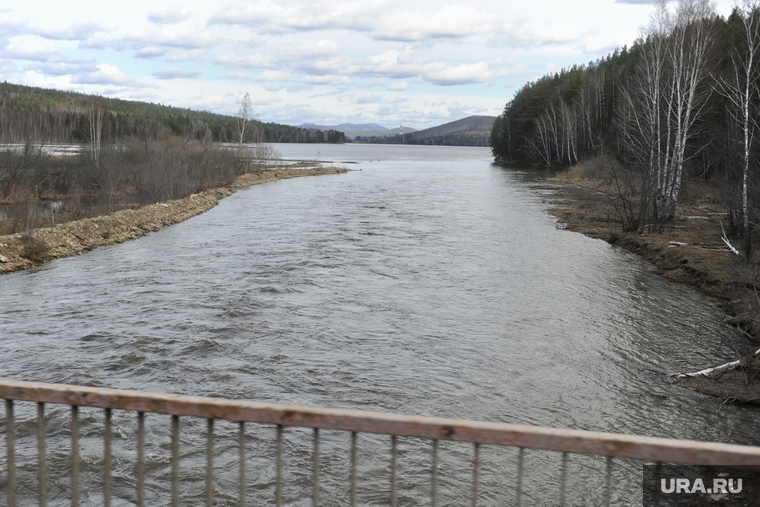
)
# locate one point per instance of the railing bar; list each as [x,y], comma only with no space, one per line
[315,480]
[210,464]
[353,469]
[141,459]
[278,479]
[74,456]
[42,472]
[520,461]
[561,440]
[393,470]
[475,466]
[107,461]
[175,461]
[657,473]
[434,475]
[242,463]
[608,483]
[563,481]
[10,444]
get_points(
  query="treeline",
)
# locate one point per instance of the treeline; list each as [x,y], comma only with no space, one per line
[682,101]
[447,140]
[55,116]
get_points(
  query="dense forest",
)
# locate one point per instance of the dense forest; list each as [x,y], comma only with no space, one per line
[681,103]
[55,116]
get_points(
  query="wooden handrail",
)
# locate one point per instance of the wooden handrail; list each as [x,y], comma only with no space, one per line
[563,440]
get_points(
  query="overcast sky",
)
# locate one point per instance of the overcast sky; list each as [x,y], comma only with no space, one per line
[417,63]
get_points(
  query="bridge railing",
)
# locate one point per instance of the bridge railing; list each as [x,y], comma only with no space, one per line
[521,437]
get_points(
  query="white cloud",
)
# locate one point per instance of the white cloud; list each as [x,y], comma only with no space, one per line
[416,63]
[274,75]
[382,20]
[150,52]
[175,73]
[77,31]
[327,80]
[172,37]
[168,14]
[190,55]
[451,21]
[105,74]
[252,61]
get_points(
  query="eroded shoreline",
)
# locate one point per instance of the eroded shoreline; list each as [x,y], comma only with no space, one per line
[18,252]
[689,250]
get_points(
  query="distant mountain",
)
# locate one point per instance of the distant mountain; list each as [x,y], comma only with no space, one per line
[361,127]
[353,130]
[471,124]
[470,131]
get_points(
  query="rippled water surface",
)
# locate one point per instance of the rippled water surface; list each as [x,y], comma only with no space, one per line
[429,282]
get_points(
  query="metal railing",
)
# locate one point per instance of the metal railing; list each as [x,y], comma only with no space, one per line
[521,437]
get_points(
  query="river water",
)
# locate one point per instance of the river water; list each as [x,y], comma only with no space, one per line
[429,282]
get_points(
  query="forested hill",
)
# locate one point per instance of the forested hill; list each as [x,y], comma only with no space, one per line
[470,131]
[58,116]
[680,104]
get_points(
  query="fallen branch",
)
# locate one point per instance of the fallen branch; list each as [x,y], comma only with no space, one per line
[728,243]
[716,371]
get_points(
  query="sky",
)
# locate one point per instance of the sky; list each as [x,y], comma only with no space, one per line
[391,62]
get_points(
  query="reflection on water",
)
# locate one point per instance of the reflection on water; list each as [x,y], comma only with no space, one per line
[430,282]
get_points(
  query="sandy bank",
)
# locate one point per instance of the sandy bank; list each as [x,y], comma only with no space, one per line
[689,250]
[74,238]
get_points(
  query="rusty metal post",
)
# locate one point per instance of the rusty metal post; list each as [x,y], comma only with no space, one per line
[175,461]
[434,475]
[42,472]
[241,437]
[608,483]
[520,460]
[353,469]
[107,461]
[74,456]
[278,480]
[315,478]
[141,459]
[393,470]
[563,481]
[10,444]
[475,466]
[210,464]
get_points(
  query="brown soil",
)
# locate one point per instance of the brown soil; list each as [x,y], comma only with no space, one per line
[689,250]
[19,251]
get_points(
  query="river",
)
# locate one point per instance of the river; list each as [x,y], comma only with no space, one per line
[427,281]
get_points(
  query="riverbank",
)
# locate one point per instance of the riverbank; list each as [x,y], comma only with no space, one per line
[20,251]
[690,250]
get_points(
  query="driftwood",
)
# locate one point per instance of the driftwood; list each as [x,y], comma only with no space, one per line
[716,371]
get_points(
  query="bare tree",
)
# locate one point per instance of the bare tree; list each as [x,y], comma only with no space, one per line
[741,90]
[662,106]
[685,96]
[96,130]
[245,115]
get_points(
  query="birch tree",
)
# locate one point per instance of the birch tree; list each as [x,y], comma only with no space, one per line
[684,96]
[740,88]
[96,130]
[245,115]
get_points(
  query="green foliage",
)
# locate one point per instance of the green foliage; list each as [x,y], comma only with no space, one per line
[62,117]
